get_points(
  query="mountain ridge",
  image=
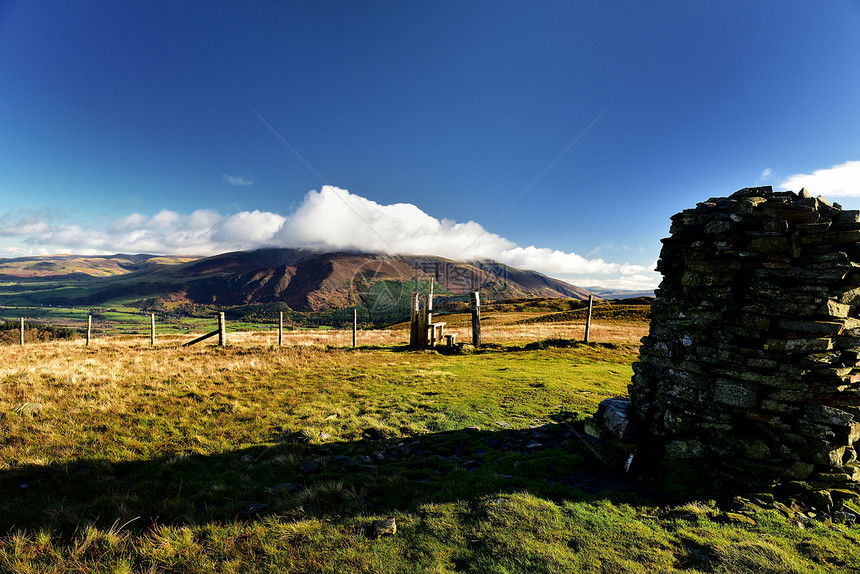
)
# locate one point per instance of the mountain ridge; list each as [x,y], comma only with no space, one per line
[301,278]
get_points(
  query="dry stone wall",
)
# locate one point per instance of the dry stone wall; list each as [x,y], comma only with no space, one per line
[750,376]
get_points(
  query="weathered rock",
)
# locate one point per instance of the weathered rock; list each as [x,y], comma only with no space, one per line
[384,527]
[617,418]
[308,466]
[751,371]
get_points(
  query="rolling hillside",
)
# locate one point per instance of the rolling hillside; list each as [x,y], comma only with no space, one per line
[300,278]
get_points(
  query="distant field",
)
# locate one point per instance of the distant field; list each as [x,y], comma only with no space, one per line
[500,324]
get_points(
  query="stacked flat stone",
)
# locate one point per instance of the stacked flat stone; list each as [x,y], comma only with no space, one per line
[749,378]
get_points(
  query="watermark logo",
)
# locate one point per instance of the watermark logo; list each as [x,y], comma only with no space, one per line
[381,287]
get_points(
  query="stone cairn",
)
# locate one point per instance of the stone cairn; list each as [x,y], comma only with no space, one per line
[749,380]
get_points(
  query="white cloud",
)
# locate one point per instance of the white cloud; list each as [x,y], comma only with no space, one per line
[237,180]
[248,229]
[22,224]
[766,174]
[841,180]
[334,219]
[555,261]
[331,219]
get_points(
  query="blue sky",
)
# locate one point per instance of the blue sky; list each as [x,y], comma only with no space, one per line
[559,136]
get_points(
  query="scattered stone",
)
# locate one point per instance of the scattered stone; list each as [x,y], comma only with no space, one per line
[502,424]
[309,465]
[473,428]
[843,517]
[736,518]
[253,508]
[617,417]
[595,429]
[384,527]
[822,500]
[247,458]
[324,435]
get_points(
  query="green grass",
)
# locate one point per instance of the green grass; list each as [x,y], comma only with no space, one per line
[121,458]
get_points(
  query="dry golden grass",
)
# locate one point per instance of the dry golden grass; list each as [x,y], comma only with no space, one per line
[506,328]
[496,328]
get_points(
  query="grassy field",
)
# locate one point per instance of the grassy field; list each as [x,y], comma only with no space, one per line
[118,457]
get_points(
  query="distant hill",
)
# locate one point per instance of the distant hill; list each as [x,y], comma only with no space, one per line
[619,294]
[54,267]
[300,278]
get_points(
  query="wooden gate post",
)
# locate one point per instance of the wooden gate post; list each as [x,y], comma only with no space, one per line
[89,328]
[476,318]
[415,310]
[280,328]
[354,325]
[152,330]
[222,330]
[22,330]
[588,317]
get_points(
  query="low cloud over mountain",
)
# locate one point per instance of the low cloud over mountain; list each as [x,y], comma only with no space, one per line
[331,219]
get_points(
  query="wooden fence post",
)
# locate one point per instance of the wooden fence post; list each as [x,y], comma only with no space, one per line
[222,330]
[413,320]
[22,330]
[429,306]
[354,325]
[476,318]
[152,330]
[280,328]
[89,328]
[588,317]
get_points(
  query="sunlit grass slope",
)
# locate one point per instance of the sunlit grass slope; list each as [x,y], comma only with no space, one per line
[252,458]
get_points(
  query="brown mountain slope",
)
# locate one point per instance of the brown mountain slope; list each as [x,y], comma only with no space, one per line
[307,280]
[341,279]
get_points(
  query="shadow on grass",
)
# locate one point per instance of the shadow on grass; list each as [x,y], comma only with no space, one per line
[294,478]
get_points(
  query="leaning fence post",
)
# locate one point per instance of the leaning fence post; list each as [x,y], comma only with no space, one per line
[22,330]
[222,330]
[588,317]
[152,329]
[476,318]
[89,328]
[280,328]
